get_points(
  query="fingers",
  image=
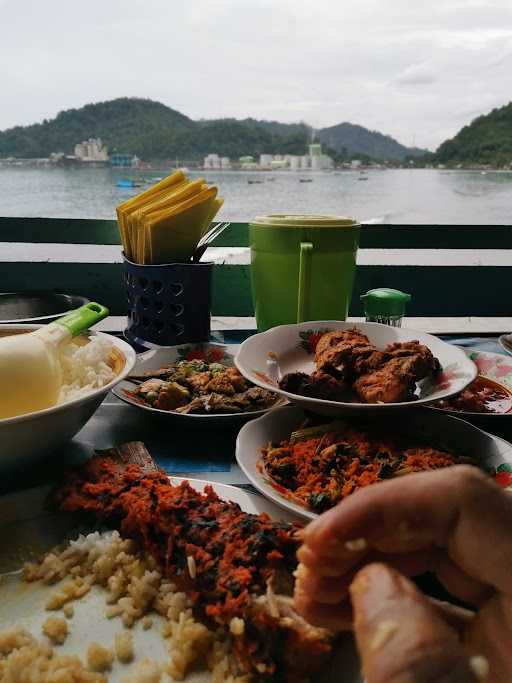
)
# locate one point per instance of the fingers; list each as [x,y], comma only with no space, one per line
[458,509]
[400,636]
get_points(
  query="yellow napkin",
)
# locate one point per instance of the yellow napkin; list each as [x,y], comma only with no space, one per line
[174,237]
[131,204]
[164,223]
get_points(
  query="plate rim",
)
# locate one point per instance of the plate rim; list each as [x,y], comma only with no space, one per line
[232,349]
[472,415]
[267,490]
[343,405]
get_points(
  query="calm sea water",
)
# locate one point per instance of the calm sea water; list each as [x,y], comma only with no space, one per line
[391,196]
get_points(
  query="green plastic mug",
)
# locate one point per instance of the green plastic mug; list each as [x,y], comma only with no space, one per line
[303,268]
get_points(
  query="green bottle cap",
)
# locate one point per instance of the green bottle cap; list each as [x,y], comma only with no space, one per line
[385,302]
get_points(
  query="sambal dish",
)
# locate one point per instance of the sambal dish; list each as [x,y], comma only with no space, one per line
[350,368]
[320,465]
[236,568]
[196,386]
[483,395]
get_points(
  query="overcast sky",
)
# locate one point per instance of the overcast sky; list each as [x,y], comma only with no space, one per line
[415,69]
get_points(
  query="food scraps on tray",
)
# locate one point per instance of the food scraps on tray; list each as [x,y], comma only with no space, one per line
[350,368]
[320,464]
[196,386]
[233,570]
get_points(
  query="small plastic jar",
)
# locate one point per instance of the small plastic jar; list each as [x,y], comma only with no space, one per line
[385,306]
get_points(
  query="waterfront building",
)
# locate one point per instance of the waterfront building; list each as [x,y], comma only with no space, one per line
[91,150]
[355,163]
[315,150]
[225,163]
[266,160]
[294,163]
[248,163]
[278,163]
[212,161]
[124,160]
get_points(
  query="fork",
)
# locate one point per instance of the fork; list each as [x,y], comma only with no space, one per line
[206,239]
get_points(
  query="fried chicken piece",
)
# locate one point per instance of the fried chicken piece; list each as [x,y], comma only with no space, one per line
[330,339]
[417,358]
[346,354]
[391,383]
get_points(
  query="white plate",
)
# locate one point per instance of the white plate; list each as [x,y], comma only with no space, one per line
[493,453]
[264,358]
[156,358]
[26,531]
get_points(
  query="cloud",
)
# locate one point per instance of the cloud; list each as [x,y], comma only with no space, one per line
[409,69]
[416,74]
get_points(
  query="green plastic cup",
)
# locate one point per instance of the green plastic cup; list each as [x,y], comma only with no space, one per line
[303,268]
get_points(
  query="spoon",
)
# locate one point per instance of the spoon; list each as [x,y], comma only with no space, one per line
[506,342]
[30,371]
[206,239]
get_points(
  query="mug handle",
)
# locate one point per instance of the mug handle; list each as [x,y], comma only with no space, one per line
[306,254]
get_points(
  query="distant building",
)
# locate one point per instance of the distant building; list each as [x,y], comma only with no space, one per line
[248,162]
[266,160]
[124,160]
[355,163]
[91,150]
[225,163]
[212,162]
[315,150]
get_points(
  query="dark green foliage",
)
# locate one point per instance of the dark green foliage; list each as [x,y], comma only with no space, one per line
[152,130]
[349,141]
[487,140]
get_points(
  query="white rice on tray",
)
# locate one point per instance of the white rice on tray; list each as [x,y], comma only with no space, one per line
[85,367]
[134,588]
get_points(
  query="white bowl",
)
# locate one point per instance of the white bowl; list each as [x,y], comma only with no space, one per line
[28,437]
[264,358]
[492,453]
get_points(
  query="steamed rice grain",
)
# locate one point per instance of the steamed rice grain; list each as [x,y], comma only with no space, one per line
[85,367]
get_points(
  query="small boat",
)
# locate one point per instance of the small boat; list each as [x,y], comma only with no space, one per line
[270,180]
[255,182]
[126,182]
[363,177]
[305,180]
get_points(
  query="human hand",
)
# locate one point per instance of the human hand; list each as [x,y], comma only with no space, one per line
[455,522]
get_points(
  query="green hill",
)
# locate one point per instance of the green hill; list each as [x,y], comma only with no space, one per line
[486,140]
[152,130]
[350,140]
[125,124]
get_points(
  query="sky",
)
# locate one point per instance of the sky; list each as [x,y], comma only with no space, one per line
[415,69]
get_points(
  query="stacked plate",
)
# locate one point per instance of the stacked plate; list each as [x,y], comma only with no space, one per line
[265,358]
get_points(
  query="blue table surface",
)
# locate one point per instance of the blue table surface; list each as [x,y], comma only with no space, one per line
[204,452]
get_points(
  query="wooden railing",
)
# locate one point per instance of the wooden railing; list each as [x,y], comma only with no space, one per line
[450,270]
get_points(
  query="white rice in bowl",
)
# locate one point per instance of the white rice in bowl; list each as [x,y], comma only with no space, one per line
[85,367]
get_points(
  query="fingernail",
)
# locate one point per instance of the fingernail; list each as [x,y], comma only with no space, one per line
[480,666]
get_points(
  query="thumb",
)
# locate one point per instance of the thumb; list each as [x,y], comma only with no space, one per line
[400,635]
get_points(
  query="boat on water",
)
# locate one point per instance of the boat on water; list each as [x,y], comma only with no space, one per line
[126,182]
[255,182]
[305,180]
[363,177]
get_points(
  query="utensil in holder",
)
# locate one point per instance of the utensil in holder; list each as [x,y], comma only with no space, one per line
[169,303]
